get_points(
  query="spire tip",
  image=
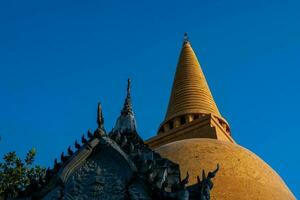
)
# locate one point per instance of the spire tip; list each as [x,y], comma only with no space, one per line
[185,38]
[127,108]
[128,85]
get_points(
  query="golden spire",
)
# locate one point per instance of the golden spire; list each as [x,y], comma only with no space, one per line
[190,92]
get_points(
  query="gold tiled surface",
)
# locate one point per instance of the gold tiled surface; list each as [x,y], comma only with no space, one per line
[242,174]
[190,92]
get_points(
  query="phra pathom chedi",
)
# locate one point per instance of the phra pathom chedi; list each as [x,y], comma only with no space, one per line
[193,155]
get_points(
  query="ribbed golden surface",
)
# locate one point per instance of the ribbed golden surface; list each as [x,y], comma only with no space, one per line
[242,174]
[190,93]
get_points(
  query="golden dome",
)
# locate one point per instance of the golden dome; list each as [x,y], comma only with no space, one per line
[242,174]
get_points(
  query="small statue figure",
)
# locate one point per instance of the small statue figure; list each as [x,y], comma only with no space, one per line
[206,183]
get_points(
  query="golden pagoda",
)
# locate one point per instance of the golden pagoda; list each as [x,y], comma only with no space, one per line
[196,136]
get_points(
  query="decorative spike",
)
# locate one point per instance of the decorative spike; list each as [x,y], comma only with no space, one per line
[203,175]
[57,165]
[83,140]
[100,118]
[90,134]
[70,152]
[213,173]
[100,121]
[77,146]
[185,181]
[62,157]
[127,104]
[128,86]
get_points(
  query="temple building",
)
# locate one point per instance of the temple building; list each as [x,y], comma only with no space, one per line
[192,157]
[195,135]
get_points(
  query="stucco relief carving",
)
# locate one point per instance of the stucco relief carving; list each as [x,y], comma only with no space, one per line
[92,181]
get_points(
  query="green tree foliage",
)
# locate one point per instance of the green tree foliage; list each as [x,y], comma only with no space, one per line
[17,175]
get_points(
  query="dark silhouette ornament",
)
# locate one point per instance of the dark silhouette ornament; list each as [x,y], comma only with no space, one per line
[206,183]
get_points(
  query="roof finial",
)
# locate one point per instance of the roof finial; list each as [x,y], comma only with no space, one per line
[127,104]
[128,86]
[100,119]
[100,131]
[185,38]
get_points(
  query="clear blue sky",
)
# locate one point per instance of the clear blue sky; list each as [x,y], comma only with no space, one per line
[59,58]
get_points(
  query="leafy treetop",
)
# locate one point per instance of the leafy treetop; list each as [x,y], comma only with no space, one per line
[17,176]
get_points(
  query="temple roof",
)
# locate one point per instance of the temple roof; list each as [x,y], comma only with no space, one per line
[190,92]
[118,165]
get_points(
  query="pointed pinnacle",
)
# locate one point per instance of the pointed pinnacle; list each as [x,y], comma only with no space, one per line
[100,119]
[62,157]
[56,165]
[128,86]
[127,104]
[77,146]
[70,152]
[203,175]
[185,38]
[83,139]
